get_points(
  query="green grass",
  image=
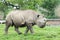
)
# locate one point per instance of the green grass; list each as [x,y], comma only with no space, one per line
[47,33]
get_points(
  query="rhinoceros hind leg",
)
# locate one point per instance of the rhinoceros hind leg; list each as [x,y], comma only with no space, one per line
[6,28]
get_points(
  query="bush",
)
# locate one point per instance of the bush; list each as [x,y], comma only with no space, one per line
[33,4]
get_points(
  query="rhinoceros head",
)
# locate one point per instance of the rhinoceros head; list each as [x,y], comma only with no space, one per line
[41,21]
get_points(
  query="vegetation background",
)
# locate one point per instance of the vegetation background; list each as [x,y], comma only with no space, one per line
[47,7]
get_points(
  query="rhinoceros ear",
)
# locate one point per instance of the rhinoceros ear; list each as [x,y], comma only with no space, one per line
[38,15]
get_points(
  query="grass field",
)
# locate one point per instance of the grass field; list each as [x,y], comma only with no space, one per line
[47,33]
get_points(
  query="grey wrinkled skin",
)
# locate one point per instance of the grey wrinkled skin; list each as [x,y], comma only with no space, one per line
[22,18]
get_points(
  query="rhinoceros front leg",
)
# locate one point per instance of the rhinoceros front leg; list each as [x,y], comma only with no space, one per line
[17,30]
[29,27]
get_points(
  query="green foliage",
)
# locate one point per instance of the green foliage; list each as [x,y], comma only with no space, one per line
[27,4]
[3,8]
[33,4]
[50,5]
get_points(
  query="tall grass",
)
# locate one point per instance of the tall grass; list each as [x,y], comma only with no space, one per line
[47,33]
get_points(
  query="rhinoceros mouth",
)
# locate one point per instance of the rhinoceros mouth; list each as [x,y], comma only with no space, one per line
[42,26]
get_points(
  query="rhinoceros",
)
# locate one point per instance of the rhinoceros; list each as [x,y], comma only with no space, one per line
[24,18]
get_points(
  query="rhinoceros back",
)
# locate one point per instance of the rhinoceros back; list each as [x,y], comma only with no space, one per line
[21,16]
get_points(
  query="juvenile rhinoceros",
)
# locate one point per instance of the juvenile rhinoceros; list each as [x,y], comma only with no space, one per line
[24,18]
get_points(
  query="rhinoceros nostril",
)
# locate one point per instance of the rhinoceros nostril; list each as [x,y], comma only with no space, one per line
[45,19]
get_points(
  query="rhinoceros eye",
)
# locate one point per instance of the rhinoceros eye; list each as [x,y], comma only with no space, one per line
[38,15]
